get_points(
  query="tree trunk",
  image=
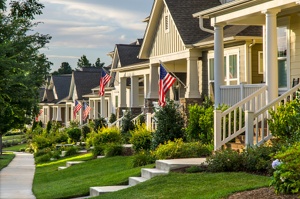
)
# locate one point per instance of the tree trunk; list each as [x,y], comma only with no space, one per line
[1,144]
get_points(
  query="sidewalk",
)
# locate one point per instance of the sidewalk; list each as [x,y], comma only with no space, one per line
[16,179]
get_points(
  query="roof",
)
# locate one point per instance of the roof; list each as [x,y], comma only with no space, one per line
[232,31]
[128,54]
[187,25]
[62,85]
[86,81]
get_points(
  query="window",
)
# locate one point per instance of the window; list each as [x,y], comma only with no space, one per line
[116,101]
[231,67]
[282,57]
[260,62]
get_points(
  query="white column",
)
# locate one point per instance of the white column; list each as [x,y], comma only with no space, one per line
[103,107]
[271,54]
[54,113]
[146,85]
[134,92]
[122,93]
[67,114]
[58,115]
[218,62]
[96,108]
[80,115]
[153,83]
[72,109]
[192,80]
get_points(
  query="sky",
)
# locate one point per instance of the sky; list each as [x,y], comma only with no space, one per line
[90,27]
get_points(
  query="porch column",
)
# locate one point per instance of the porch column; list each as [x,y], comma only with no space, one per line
[153,82]
[67,114]
[219,62]
[134,92]
[58,115]
[271,54]
[122,93]
[54,113]
[103,107]
[146,85]
[192,78]
[96,108]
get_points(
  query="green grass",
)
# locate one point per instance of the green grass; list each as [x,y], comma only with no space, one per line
[76,180]
[13,137]
[15,148]
[5,159]
[197,185]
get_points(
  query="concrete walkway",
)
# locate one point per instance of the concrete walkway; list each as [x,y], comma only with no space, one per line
[16,179]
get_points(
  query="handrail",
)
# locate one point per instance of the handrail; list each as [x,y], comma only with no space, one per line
[134,120]
[115,122]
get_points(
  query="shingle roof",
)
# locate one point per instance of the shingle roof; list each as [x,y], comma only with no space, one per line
[62,85]
[188,27]
[85,81]
[231,31]
[128,54]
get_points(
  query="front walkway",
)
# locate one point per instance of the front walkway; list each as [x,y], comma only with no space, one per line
[16,179]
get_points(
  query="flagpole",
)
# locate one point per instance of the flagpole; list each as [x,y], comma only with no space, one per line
[173,74]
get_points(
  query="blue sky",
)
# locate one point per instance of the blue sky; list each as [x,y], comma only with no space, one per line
[90,27]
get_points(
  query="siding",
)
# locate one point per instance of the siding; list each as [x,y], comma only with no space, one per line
[295,46]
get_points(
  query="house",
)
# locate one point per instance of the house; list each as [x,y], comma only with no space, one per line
[278,62]
[52,103]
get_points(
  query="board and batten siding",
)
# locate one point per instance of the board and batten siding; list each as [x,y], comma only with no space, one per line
[166,42]
[295,46]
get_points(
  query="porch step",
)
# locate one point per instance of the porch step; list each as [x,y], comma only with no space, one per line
[136,180]
[62,168]
[168,165]
[96,191]
[72,163]
[150,173]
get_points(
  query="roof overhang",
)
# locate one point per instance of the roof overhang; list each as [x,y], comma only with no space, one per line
[227,40]
[132,67]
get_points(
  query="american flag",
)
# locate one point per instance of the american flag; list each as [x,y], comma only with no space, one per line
[165,83]
[104,79]
[37,117]
[76,108]
[86,111]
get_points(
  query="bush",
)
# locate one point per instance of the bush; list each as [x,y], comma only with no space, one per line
[142,158]
[42,159]
[41,152]
[74,134]
[112,118]
[48,127]
[141,138]
[112,149]
[98,150]
[286,178]
[40,142]
[71,151]
[285,122]
[170,124]
[84,131]
[99,124]
[127,126]
[108,135]
[179,149]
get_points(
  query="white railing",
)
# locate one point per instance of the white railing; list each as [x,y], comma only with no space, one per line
[116,123]
[135,120]
[232,94]
[151,122]
[231,122]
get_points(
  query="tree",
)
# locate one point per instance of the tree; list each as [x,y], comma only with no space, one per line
[65,68]
[83,62]
[98,63]
[22,68]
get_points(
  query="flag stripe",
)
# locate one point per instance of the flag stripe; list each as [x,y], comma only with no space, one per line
[77,107]
[165,83]
[86,111]
[104,79]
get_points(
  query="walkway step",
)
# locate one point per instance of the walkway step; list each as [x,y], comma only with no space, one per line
[100,156]
[136,180]
[168,165]
[71,163]
[150,173]
[61,168]
[96,191]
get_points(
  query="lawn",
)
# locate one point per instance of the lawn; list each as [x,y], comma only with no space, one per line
[5,159]
[15,148]
[76,180]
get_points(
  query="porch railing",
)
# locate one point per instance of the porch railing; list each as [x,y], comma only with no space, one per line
[116,123]
[232,94]
[231,123]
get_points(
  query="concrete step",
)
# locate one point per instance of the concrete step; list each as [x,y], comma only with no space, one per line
[71,163]
[136,180]
[61,168]
[96,191]
[100,156]
[168,165]
[150,173]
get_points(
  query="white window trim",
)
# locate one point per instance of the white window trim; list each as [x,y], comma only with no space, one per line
[226,54]
[261,67]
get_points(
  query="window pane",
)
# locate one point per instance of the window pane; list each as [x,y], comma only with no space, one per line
[225,70]
[232,66]
[211,69]
[282,41]
[282,74]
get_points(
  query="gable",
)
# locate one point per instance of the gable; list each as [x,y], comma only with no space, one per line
[166,39]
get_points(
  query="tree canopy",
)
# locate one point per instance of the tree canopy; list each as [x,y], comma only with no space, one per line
[64,68]
[84,62]
[22,67]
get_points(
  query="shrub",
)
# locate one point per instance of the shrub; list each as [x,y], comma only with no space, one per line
[74,134]
[285,122]
[127,126]
[99,123]
[141,138]
[108,135]
[56,154]
[286,178]
[71,151]
[112,118]
[142,158]
[179,149]
[84,131]
[98,150]
[41,152]
[112,149]
[60,137]
[48,127]
[42,159]
[170,124]
[40,142]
